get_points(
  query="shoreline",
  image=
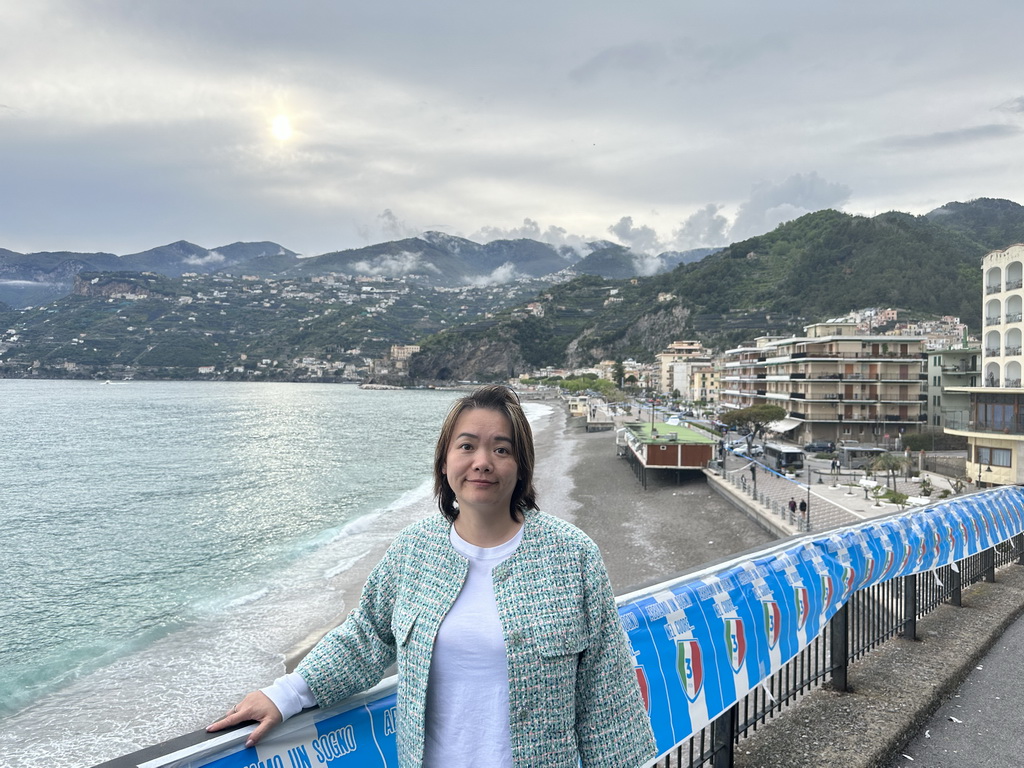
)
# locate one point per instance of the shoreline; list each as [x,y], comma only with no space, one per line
[645,535]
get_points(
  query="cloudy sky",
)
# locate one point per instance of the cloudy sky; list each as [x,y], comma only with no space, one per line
[659,124]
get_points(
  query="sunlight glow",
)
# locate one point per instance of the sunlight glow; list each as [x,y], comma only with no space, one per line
[281,127]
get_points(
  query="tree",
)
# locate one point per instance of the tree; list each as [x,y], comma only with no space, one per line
[754,419]
[891,465]
[619,374]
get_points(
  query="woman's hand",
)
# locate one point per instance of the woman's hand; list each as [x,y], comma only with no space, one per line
[255,706]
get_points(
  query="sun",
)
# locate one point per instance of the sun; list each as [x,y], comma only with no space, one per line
[281,127]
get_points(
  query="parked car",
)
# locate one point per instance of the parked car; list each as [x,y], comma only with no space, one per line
[740,448]
[819,446]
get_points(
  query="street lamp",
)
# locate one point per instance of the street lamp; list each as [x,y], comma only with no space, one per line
[987,471]
[977,458]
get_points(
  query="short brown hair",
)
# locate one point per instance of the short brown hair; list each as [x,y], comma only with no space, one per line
[493,397]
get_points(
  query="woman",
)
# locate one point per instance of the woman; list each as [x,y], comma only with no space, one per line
[502,620]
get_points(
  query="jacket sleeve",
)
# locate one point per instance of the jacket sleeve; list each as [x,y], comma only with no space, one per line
[613,729]
[355,655]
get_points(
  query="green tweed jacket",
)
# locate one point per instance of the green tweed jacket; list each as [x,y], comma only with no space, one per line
[573,693]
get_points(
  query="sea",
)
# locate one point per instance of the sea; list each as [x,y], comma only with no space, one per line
[165,546]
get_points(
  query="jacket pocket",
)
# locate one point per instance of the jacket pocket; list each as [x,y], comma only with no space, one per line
[402,624]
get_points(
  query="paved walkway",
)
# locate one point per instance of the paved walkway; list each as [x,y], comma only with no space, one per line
[980,724]
[832,499]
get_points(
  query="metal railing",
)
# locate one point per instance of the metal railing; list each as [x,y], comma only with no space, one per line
[871,617]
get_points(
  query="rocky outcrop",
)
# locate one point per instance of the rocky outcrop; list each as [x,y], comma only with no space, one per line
[494,358]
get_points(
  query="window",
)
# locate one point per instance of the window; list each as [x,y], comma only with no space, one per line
[994,457]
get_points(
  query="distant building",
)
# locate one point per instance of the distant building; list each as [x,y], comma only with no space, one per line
[664,377]
[835,383]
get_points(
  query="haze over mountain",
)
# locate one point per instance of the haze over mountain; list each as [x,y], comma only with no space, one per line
[433,257]
[522,305]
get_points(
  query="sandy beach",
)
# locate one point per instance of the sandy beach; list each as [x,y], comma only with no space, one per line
[645,535]
[648,535]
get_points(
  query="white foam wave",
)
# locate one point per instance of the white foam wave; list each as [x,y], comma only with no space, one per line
[344,565]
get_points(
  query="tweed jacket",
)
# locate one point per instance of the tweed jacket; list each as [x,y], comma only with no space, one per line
[573,693]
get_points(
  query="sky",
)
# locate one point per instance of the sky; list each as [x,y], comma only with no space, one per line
[660,125]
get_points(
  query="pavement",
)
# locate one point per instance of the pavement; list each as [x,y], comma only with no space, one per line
[951,698]
[833,499]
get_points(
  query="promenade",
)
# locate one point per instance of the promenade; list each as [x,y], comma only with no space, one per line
[831,499]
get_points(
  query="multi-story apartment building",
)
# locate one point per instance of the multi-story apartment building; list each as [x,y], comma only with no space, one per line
[949,371]
[994,427]
[704,382]
[665,368]
[834,383]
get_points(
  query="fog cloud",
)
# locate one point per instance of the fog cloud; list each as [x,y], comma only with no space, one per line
[506,273]
[213,257]
[705,228]
[772,204]
[405,263]
[554,236]
[642,239]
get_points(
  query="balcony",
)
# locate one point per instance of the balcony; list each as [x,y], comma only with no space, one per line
[991,351]
[1012,285]
[1012,351]
[992,320]
[1012,383]
[1015,318]
[989,289]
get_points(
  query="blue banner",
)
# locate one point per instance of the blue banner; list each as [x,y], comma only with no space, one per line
[700,643]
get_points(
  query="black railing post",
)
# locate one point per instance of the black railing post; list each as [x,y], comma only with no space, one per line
[988,562]
[910,606]
[1018,543]
[839,628]
[723,738]
[956,583]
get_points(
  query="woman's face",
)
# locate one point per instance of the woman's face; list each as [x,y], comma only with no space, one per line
[479,463]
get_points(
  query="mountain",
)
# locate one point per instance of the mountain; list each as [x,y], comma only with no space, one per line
[179,258]
[819,266]
[989,222]
[608,303]
[434,258]
[39,278]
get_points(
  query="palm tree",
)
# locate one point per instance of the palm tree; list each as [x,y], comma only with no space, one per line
[891,464]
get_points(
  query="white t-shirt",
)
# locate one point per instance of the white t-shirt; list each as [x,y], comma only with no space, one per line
[467,694]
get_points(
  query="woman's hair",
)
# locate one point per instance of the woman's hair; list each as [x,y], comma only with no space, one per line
[494,397]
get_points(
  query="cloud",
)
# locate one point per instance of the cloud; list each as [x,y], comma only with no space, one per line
[944,139]
[773,204]
[394,227]
[212,257]
[635,60]
[647,264]
[706,228]
[642,239]
[531,230]
[404,263]
[506,273]
[1013,105]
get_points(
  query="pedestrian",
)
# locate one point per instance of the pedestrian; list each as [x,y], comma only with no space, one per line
[792,505]
[501,618]
[803,510]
